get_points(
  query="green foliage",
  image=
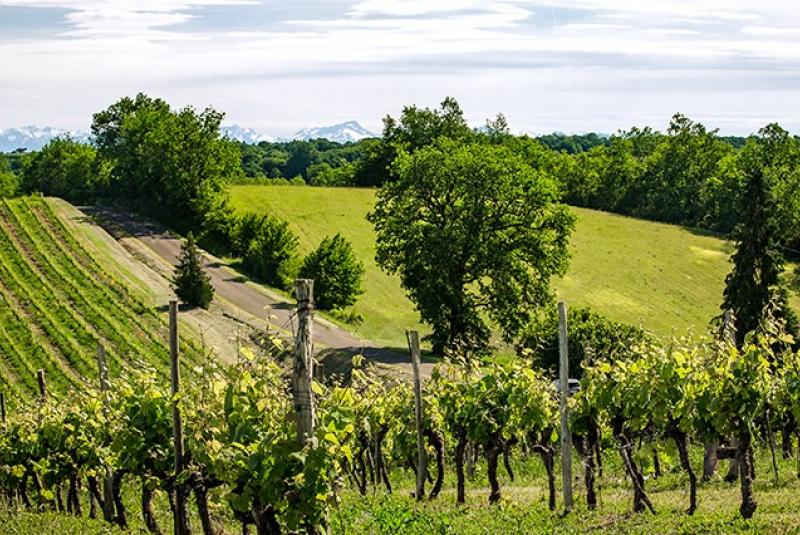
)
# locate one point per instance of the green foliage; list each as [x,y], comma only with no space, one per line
[338,275]
[590,336]
[271,253]
[317,161]
[757,263]
[65,168]
[190,282]
[471,229]
[416,128]
[9,182]
[169,163]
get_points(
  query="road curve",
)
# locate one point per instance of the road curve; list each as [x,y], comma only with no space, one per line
[162,248]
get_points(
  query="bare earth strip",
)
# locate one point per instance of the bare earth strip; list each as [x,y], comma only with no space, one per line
[151,252]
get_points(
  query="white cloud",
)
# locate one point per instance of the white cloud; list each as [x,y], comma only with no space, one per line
[520,52]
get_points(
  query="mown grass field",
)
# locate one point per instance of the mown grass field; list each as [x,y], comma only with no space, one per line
[666,278]
[58,302]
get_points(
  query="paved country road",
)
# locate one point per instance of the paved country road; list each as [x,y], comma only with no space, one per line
[160,250]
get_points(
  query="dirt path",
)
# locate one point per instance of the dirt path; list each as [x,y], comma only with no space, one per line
[240,298]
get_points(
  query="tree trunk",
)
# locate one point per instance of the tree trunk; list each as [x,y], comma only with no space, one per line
[733,467]
[585,446]
[640,499]
[681,441]
[548,459]
[74,496]
[786,436]
[492,455]
[710,459]
[471,455]
[461,447]
[370,462]
[507,457]
[92,505]
[148,515]
[381,460]
[201,499]
[748,506]
[360,472]
[59,501]
[23,490]
[437,442]
[266,522]
[656,462]
[120,518]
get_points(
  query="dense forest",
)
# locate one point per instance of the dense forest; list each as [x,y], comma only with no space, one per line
[688,175]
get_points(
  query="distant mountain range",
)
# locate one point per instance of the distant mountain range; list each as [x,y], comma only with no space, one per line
[34,138]
[346,132]
[341,133]
[245,135]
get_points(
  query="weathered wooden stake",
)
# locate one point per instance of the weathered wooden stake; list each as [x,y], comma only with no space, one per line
[180,521]
[3,408]
[303,372]
[108,480]
[422,458]
[563,378]
[42,385]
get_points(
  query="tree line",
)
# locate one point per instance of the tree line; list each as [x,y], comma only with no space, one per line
[490,200]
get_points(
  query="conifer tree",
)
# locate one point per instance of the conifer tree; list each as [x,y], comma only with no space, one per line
[191,284]
[757,262]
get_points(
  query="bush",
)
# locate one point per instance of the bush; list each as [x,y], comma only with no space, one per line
[337,273]
[191,284]
[9,182]
[271,253]
[244,230]
[219,226]
[590,335]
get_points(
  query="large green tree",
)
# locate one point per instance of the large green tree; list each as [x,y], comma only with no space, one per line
[754,281]
[415,128]
[170,163]
[475,234]
[65,168]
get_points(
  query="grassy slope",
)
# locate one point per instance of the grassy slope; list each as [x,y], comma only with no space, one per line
[664,277]
[60,299]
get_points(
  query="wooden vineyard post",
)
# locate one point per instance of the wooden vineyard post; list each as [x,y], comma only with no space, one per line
[108,481]
[3,409]
[563,379]
[303,372]
[422,458]
[181,523]
[42,385]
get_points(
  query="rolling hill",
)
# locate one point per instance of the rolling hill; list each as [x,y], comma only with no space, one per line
[666,278]
[58,302]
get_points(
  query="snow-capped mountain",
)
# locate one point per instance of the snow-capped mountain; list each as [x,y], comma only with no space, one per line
[245,135]
[340,133]
[34,138]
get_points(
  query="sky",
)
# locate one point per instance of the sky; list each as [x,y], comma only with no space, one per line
[547,65]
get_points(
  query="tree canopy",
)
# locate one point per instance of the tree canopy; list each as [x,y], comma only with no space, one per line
[172,164]
[474,234]
[65,168]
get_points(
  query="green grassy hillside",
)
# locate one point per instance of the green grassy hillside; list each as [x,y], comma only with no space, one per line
[58,302]
[665,278]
